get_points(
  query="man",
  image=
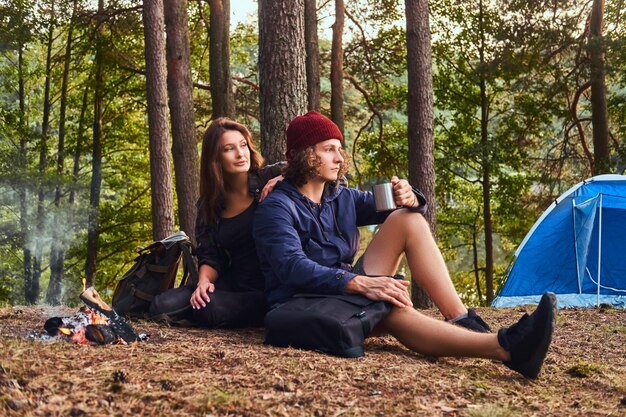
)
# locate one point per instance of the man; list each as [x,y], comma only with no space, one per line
[306,235]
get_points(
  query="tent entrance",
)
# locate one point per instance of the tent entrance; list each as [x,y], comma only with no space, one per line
[584,219]
[588,239]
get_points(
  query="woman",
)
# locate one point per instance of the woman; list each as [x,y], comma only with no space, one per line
[230,288]
[306,235]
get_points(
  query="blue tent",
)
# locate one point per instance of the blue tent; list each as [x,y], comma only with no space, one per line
[577,249]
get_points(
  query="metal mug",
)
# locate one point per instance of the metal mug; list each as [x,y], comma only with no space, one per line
[383,197]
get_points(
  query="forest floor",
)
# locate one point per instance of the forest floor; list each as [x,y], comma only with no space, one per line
[197,372]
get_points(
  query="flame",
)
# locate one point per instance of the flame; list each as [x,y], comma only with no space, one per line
[65,331]
[77,335]
[84,283]
[97,318]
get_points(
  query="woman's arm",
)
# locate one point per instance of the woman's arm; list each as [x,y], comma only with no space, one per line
[269,186]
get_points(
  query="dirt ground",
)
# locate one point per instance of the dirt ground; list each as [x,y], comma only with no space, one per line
[197,372]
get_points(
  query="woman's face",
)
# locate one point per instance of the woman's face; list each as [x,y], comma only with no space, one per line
[234,154]
[329,153]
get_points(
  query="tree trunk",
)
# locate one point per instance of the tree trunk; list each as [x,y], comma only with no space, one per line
[599,115]
[32,293]
[57,250]
[479,291]
[23,188]
[420,116]
[180,88]
[336,67]
[158,127]
[79,145]
[93,227]
[222,98]
[485,146]
[281,72]
[312,55]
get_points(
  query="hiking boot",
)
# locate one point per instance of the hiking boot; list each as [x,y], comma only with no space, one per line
[473,322]
[527,340]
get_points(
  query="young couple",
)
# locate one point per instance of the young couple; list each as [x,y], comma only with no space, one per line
[303,239]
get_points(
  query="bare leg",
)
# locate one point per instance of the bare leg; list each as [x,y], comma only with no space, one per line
[428,336]
[408,232]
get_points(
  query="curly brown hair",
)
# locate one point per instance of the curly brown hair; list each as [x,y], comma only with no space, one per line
[304,164]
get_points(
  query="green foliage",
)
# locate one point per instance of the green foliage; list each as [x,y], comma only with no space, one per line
[385,156]
[533,61]
[582,369]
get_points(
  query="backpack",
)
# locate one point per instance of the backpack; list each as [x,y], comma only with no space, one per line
[153,273]
[333,324]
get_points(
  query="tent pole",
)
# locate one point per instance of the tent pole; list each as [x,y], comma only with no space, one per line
[599,250]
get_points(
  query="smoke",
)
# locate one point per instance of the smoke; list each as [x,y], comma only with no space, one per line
[23,229]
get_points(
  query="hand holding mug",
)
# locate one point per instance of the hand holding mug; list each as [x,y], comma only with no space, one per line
[403,193]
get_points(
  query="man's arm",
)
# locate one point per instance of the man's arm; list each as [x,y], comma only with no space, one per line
[278,244]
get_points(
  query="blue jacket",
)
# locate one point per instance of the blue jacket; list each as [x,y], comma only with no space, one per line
[308,247]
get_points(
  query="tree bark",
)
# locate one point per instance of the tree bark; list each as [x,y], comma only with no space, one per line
[485,145]
[58,245]
[32,292]
[93,227]
[180,88]
[158,127]
[79,145]
[336,67]
[312,55]
[281,72]
[420,116]
[23,188]
[599,114]
[222,98]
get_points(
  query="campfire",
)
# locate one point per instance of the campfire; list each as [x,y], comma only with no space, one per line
[94,323]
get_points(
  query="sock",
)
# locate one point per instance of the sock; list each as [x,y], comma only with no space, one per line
[461,317]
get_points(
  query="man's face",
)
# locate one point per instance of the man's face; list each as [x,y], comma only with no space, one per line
[329,153]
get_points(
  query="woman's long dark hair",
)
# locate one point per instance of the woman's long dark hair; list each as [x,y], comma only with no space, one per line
[212,189]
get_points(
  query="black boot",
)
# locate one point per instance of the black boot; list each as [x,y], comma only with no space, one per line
[527,340]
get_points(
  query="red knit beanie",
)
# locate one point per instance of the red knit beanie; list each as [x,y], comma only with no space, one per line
[309,129]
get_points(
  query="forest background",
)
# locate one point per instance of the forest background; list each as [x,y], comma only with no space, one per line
[493,108]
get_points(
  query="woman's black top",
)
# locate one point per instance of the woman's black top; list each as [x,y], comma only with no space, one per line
[235,237]
[229,248]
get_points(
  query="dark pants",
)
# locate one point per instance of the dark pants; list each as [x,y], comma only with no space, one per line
[227,309]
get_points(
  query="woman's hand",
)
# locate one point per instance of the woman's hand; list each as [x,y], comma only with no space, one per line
[269,186]
[403,193]
[200,296]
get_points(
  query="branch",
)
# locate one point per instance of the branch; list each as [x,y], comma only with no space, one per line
[363,39]
[358,135]
[581,133]
[371,107]
[246,81]
[142,72]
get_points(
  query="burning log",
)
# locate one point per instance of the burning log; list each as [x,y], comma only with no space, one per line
[74,327]
[122,329]
[100,334]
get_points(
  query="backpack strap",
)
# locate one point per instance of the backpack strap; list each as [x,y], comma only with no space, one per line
[140,294]
[157,268]
[190,271]
[365,324]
